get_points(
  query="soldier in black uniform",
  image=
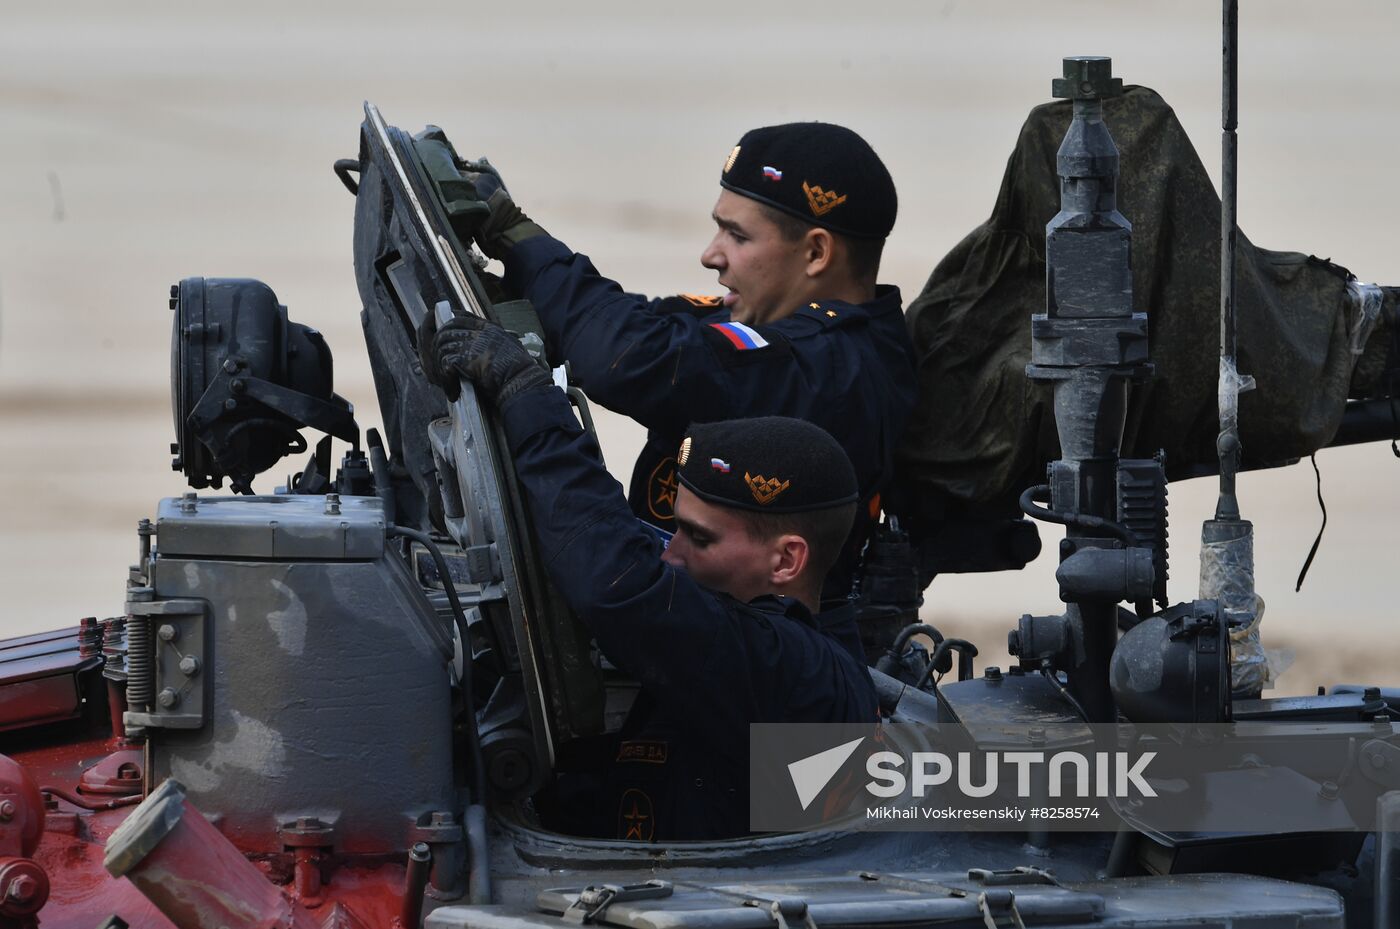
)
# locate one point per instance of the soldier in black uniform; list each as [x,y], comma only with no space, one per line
[803,331]
[720,628]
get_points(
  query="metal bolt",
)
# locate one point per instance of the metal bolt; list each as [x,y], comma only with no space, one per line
[189,502]
[332,504]
[189,666]
[167,632]
[230,366]
[7,810]
[23,888]
[230,404]
[1328,791]
[1371,693]
[992,673]
[168,698]
[236,385]
[1377,760]
[1037,735]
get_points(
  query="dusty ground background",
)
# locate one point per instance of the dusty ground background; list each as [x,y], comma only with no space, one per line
[144,142]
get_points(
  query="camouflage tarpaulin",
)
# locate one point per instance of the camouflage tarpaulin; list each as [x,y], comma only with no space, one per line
[982,432]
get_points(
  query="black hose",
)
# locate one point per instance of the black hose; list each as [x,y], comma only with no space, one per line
[901,641]
[473,737]
[892,660]
[1078,520]
[966,652]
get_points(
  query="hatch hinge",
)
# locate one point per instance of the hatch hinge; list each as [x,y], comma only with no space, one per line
[785,912]
[593,900]
[998,908]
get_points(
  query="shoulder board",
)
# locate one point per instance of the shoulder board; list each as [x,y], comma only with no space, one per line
[831,313]
[699,305]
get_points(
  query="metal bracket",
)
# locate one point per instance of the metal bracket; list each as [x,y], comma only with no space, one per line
[594,899]
[998,909]
[1023,874]
[178,664]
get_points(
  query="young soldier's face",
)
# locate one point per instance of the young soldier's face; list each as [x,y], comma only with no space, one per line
[766,274]
[714,546]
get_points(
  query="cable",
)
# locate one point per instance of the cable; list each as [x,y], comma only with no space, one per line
[1317,541]
[1064,692]
[82,804]
[963,648]
[473,737]
[1079,520]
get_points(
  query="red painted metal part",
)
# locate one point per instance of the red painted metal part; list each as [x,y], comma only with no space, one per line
[21,810]
[39,675]
[24,885]
[24,889]
[83,894]
[192,874]
[120,773]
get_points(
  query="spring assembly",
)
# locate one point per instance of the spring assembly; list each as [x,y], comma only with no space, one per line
[140,663]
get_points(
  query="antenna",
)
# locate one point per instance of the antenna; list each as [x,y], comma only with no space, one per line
[1227,541]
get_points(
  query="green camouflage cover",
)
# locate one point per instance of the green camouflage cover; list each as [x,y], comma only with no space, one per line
[982,432]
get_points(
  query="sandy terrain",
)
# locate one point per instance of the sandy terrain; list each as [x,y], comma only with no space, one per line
[145,142]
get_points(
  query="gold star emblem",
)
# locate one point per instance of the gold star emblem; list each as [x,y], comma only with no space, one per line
[666,490]
[662,486]
[831,313]
[815,306]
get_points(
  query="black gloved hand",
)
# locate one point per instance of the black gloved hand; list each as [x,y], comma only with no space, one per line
[480,351]
[505,224]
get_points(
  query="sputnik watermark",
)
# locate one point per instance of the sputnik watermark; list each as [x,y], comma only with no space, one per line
[1241,777]
[1115,774]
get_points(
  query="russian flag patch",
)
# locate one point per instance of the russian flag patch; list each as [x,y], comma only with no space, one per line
[740,336]
[720,465]
[772,174]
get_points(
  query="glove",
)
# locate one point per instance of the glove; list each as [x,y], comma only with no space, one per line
[505,225]
[480,351]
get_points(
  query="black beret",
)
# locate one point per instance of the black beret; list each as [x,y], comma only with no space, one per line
[821,173]
[771,464]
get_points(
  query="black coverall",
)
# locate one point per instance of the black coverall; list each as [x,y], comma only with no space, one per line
[670,362]
[708,664]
